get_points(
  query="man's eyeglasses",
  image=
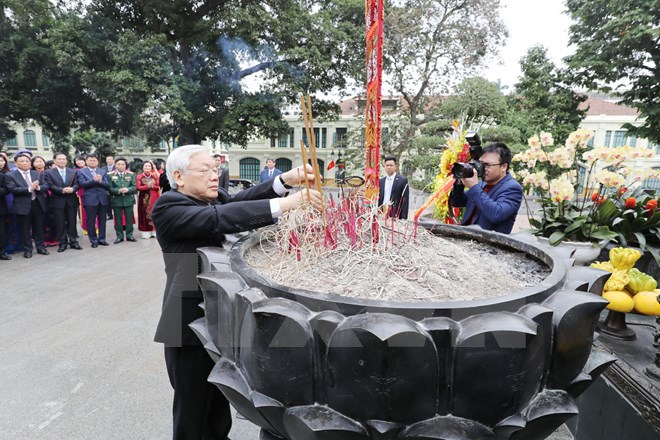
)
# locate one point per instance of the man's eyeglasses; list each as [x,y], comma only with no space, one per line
[206,172]
[488,165]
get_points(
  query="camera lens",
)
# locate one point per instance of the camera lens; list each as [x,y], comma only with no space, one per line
[462,170]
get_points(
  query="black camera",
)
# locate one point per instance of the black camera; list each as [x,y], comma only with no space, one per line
[462,170]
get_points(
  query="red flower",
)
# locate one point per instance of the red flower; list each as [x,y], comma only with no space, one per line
[651,205]
[631,203]
[601,200]
[595,197]
[622,191]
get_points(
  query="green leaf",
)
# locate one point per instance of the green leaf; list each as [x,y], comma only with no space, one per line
[616,221]
[656,254]
[535,223]
[575,225]
[603,233]
[606,212]
[641,240]
[556,238]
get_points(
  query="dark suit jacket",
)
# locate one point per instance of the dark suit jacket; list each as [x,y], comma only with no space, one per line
[96,193]
[497,209]
[3,192]
[185,224]
[263,176]
[224,179]
[400,196]
[22,196]
[58,199]
[116,182]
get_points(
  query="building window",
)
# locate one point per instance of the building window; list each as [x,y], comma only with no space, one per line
[162,145]
[283,164]
[304,137]
[653,184]
[632,141]
[340,135]
[324,138]
[30,138]
[12,142]
[590,143]
[44,139]
[249,168]
[608,137]
[282,140]
[619,138]
[317,137]
[291,134]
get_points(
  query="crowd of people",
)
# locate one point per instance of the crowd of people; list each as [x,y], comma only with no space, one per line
[43,201]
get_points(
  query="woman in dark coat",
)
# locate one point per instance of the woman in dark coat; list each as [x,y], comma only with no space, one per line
[4,234]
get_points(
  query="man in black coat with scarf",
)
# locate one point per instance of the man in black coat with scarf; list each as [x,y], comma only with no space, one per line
[197,213]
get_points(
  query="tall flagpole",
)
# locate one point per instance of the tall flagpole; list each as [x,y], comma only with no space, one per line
[374,22]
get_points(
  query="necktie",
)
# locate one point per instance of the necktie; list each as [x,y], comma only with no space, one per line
[63,174]
[28,180]
[270,173]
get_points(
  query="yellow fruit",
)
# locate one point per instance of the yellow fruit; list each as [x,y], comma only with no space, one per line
[647,303]
[619,301]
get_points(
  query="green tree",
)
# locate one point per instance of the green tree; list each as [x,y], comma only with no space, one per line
[501,133]
[90,141]
[618,50]
[34,83]
[544,99]
[431,46]
[478,100]
[187,61]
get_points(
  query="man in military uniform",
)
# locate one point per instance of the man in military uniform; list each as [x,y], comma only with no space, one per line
[122,199]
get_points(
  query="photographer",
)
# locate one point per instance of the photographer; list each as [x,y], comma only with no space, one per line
[492,203]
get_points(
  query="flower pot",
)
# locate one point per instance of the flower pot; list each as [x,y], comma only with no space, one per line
[584,253]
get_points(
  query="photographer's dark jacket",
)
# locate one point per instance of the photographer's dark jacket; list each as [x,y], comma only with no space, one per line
[496,209]
[185,224]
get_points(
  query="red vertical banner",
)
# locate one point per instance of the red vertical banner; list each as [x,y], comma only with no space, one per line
[374,22]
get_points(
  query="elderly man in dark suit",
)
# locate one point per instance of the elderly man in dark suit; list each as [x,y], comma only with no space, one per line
[63,202]
[30,203]
[394,193]
[196,213]
[95,199]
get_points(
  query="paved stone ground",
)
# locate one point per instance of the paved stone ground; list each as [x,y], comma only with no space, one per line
[77,360]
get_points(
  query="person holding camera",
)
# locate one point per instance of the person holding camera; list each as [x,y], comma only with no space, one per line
[493,202]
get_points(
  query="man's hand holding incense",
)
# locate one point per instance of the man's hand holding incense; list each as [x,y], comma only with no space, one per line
[300,198]
[299,175]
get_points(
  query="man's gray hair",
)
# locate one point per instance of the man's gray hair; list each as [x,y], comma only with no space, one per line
[179,159]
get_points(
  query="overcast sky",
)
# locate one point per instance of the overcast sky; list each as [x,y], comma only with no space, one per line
[530,22]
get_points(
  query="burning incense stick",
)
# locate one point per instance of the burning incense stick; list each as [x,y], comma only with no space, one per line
[303,153]
[309,129]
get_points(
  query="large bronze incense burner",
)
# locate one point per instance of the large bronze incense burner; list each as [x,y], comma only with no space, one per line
[304,365]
